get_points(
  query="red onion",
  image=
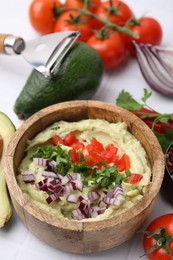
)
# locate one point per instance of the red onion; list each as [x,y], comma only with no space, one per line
[72,198]
[93,195]
[28,176]
[40,161]
[52,197]
[77,214]
[49,174]
[115,196]
[84,208]
[155,65]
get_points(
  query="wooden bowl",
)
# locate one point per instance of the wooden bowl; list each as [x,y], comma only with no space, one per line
[75,236]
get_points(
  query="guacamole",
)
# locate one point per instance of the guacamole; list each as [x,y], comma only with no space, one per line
[100,170]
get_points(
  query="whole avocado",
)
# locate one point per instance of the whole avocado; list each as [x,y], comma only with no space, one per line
[78,77]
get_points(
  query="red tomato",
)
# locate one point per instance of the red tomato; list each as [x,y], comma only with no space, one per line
[41,15]
[149,31]
[70,138]
[112,49]
[123,163]
[119,13]
[74,156]
[92,4]
[134,178]
[57,140]
[66,23]
[166,222]
[77,146]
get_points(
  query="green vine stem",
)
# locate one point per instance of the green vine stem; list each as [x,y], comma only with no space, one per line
[106,22]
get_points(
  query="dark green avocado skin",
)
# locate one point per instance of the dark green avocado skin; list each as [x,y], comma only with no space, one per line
[78,77]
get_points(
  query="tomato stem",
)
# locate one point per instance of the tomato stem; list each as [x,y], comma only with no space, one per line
[162,240]
[106,22]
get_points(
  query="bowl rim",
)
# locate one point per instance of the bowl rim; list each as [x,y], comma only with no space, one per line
[29,207]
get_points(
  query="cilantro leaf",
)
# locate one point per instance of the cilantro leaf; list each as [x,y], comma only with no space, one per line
[126,101]
[147,94]
[56,153]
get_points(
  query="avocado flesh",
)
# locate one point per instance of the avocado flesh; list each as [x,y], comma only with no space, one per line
[78,77]
[7,130]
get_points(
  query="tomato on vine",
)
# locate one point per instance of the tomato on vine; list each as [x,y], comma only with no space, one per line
[116,11]
[91,4]
[111,48]
[149,31]
[41,14]
[70,20]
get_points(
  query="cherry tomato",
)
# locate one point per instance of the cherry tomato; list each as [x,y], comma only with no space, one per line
[166,222]
[112,49]
[67,21]
[92,4]
[149,31]
[41,15]
[119,14]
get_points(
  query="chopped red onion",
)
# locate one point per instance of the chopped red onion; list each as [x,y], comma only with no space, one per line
[52,164]
[93,195]
[84,208]
[116,198]
[48,174]
[59,190]
[72,176]
[72,198]
[40,161]
[77,214]
[79,183]
[52,197]
[65,180]
[28,176]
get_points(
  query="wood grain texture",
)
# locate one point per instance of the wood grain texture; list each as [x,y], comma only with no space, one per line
[76,236]
[2,38]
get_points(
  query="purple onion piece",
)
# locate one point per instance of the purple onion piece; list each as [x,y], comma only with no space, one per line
[156,70]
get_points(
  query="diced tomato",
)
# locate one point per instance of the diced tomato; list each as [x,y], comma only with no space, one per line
[134,178]
[74,156]
[70,139]
[55,140]
[78,145]
[111,148]
[94,146]
[123,163]
[95,158]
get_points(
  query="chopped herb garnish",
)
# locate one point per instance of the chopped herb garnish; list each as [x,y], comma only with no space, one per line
[105,177]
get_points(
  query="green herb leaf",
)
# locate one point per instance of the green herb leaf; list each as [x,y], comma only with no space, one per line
[147,94]
[56,153]
[164,118]
[82,168]
[126,101]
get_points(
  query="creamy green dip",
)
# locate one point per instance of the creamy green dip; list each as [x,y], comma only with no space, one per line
[104,132]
